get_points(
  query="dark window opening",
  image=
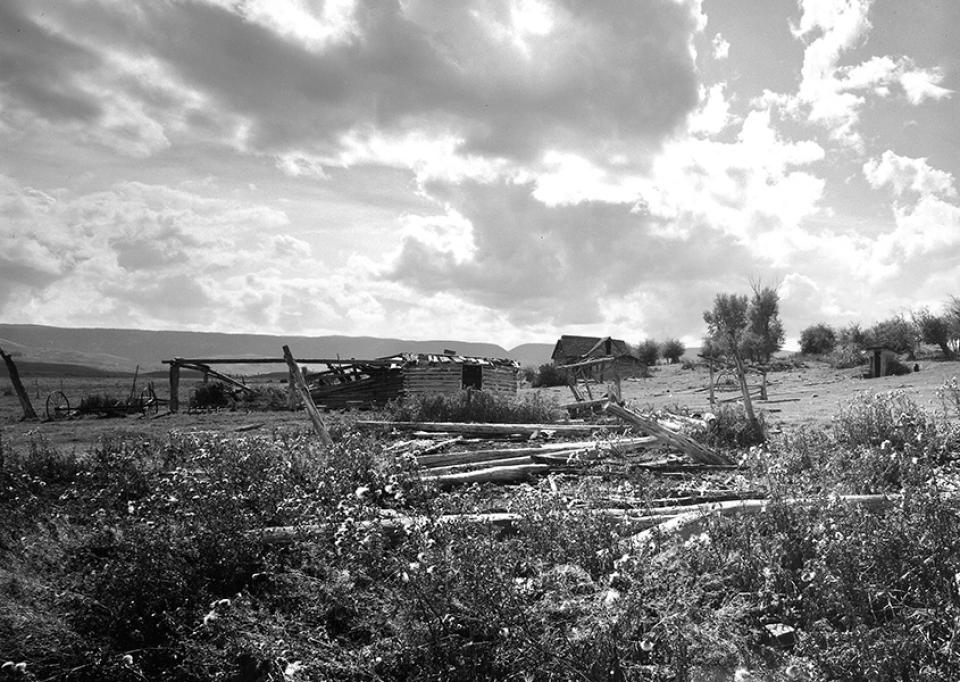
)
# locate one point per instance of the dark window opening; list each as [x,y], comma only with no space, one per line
[472,376]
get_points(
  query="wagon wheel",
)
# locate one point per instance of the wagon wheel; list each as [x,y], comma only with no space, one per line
[58,407]
[149,404]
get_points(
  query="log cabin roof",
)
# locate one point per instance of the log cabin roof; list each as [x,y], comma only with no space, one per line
[415,359]
[569,347]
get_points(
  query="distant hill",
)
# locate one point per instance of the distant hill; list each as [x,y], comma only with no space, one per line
[121,350]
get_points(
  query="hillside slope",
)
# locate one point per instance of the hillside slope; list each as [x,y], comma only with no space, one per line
[124,349]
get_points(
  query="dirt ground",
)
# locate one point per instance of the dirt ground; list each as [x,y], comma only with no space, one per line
[810,395]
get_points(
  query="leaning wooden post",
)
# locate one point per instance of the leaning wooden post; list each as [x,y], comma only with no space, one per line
[308,403]
[291,390]
[174,404]
[28,412]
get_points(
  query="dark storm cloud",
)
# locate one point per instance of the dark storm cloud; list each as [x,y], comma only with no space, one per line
[605,75]
[37,68]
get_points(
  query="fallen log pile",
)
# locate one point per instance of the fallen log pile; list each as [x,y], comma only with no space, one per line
[501,465]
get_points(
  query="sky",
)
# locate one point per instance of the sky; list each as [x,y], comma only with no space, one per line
[484,170]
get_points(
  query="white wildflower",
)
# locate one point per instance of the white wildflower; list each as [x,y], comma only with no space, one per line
[292,669]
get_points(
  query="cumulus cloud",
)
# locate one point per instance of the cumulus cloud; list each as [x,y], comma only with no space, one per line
[721,48]
[904,174]
[832,94]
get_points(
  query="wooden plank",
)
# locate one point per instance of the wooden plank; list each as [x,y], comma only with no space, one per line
[308,404]
[499,475]
[490,429]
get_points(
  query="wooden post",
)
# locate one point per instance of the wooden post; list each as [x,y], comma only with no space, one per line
[763,387]
[712,397]
[308,403]
[174,386]
[28,412]
[291,389]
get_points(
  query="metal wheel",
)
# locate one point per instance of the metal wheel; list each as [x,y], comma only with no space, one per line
[58,407]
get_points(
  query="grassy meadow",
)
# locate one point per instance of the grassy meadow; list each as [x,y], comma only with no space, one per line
[132,548]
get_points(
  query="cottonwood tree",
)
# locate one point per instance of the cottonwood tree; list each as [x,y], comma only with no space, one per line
[648,352]
[727,323]
[896,334]
[673,350]
[764,335]
[934,329]
[817,339]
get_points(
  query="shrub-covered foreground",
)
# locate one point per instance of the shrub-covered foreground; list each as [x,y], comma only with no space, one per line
[141,560]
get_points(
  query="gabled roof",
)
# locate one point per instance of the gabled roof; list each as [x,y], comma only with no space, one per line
[588,346]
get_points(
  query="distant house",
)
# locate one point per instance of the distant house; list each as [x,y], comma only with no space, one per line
[570,349]
[596,358]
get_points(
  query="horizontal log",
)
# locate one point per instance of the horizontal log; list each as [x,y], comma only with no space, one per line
[277,361]
[691,521]
[618,446]
[495,429]
[284,535]
[505,474]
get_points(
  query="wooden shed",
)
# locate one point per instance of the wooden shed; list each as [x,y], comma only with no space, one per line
[423,374]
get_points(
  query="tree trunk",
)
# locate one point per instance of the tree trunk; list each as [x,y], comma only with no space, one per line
[744,389]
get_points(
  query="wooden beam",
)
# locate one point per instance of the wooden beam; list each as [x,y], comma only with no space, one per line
[14,373]
[193,364]
[174,404]
[308,403]
[690,447]
[488,429]
[279,361]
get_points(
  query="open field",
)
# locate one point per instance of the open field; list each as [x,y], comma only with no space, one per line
[809,395]
[194,547]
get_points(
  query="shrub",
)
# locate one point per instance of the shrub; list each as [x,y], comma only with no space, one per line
[730,428]
[817,339]
[211,396]
[892,418]
[263,398]
[101,404]
[473,406]
[648,352]
[673,350]
[846,357]
[550,375]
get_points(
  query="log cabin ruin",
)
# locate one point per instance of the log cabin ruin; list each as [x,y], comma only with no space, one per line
[365,383]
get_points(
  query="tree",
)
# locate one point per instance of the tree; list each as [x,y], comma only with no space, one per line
[934,329]
[853,336]
[818,339]
[727,324]
[765,334]
[896,334]
[673,350]
[648,352]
